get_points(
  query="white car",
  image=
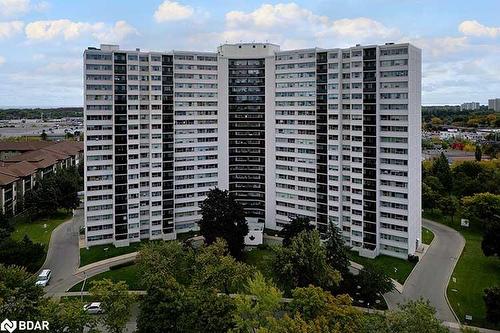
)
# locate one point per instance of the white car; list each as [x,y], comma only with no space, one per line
[93,308]
[43,278]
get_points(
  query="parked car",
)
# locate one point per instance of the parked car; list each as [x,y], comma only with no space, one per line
[93,308]
[43,278]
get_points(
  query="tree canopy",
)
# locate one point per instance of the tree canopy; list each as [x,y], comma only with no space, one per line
[223,217]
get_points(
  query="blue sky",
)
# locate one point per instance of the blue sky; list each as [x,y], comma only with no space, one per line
[42,41]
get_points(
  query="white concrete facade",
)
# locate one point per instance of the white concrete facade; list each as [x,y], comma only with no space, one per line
[329,134]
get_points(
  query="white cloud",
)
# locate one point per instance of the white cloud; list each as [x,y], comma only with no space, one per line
[440,46]
[69,66]
[2,60]
[20,7]
[268,16]
[14,7]
[118,32]
[8,29]
[361,27]
[69,30]
[291,25]
[172,11]
[474,28]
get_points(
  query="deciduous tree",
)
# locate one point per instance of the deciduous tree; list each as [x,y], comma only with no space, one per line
[295,227]
[492,301]
[223,217]
[304,262]
[116,302]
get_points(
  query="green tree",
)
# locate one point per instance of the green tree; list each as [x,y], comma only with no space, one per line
[481,208]
[20,298]
[336,250]
[429,197]
[441,169]
[261,302]
[449,205]
[67,188]
[492,300]
[22,253]
[478,154]
[370,283]
[207,312]
[304,262]
[414,316]
[214,267]
[295,227]
[159,261]
[315,310]
[434,183]
[490,244]
[313,302]
[160,308]
[67,317]
[116,302]
[223,217]
[171,307]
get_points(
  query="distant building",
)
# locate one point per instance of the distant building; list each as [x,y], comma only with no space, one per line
[22,163]
[494,104]
[470,106]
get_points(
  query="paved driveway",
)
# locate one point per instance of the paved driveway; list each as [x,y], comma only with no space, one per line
[430,277]
[63,255]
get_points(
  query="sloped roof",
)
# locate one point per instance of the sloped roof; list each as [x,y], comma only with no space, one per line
[66,147]
[6,178]
[23,145]
[20,169]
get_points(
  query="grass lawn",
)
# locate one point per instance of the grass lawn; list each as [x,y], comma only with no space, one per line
[101,252]
[262,260]
[396,268]
[39,231]
[474,273]
[127,274]
[427,236]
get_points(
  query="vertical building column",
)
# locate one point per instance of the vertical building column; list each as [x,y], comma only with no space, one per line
[120,146]
[270,142]
[321,141]
[167,83]
[370,149]
[247,135]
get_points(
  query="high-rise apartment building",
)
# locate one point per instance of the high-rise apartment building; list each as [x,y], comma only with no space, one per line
[330,134]
[470,106]
[494,104]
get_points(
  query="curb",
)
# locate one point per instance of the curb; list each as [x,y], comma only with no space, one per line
[451,275]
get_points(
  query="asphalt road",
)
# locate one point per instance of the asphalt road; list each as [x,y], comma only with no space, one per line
[430,277]
[63,255]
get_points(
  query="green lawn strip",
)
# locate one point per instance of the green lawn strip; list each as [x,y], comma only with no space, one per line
[39,231]
[388,264]
[473,273]
[427,236]
[129,274]
[101,252]
[262,260]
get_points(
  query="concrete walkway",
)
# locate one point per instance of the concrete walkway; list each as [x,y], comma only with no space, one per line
[430,277]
